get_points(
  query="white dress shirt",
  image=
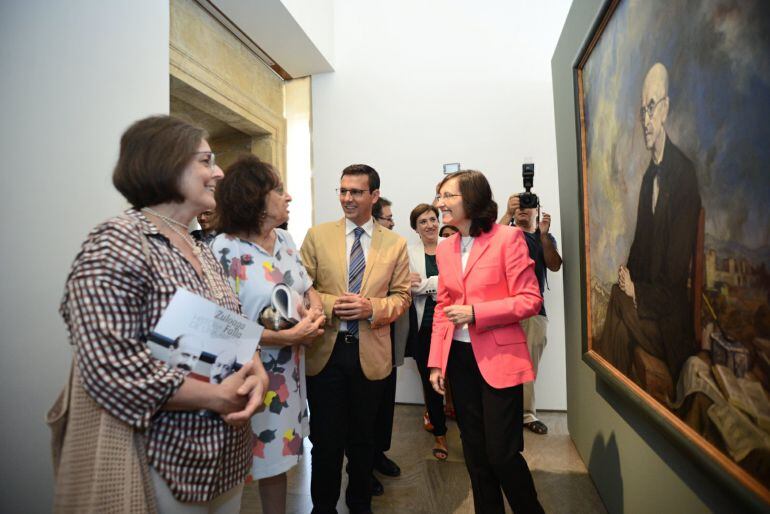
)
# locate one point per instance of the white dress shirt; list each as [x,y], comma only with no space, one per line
[366,243]
[656,183]
[461,332]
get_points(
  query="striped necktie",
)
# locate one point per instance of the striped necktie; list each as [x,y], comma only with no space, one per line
[356,273]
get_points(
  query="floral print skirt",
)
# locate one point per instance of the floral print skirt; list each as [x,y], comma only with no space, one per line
[280,425]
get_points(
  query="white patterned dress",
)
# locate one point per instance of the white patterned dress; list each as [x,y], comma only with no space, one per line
[279,427]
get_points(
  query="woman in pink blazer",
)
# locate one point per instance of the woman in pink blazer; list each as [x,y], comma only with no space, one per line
[486,287]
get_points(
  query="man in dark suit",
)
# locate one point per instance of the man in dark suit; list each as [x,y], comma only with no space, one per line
[361,271]
[650,305]
[383,214]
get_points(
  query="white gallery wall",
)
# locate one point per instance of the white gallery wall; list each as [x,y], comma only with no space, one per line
[75,75]
[422,83]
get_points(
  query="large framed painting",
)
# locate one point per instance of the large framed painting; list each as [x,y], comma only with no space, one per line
[673,101]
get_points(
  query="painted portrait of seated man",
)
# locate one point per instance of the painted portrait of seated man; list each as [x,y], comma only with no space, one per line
[650,305]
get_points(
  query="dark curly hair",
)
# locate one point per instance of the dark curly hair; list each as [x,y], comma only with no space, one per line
[478,204]
[241,195]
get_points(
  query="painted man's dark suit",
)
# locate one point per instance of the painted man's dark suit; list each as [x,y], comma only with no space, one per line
[659,263]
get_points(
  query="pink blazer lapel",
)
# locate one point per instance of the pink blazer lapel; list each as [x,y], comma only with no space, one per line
[480,245]
[456,261]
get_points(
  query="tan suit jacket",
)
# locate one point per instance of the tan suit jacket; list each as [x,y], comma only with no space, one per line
[386,284]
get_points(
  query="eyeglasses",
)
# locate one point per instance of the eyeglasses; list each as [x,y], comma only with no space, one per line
[446,196]
[212,159]
[649,109]
[357,194]
[385,218]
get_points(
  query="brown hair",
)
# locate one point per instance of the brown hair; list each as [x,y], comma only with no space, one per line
[419,211]
[154,152]
[478,204]
[242,195]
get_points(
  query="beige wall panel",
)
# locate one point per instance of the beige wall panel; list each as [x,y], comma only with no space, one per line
[216,72]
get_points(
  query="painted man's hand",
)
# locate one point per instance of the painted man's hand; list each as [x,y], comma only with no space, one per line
[625,282]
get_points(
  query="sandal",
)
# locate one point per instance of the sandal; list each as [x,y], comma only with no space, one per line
[537,427]
[426,424]
[440,451]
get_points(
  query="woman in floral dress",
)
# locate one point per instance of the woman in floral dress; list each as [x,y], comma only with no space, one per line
[256,256]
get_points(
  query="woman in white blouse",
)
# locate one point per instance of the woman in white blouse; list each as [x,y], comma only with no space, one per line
[422,263]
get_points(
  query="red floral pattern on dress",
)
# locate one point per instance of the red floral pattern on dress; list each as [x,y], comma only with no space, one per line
[277,393]
[237,270]
[292,443]
[272,274]
[260,440]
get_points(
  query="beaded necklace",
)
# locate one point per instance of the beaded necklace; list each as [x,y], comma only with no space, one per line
[208,273]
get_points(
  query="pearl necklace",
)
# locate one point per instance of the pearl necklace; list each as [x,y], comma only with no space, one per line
[194,246]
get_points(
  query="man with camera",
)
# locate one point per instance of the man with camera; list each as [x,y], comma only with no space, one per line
[524,212]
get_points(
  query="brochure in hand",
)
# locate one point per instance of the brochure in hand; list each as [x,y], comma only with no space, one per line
[284,309]
[205,340]
[286,302]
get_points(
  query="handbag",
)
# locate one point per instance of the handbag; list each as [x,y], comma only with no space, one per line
[99,462]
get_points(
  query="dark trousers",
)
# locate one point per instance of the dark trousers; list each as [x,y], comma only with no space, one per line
[383,428]
[623,329]
[343,408]
[490,422]
[434,402]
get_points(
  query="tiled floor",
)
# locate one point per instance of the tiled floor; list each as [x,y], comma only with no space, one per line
[429,486]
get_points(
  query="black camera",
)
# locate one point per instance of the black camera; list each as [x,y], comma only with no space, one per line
[528,200]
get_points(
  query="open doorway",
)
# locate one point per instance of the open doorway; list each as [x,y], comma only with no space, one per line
[220,83]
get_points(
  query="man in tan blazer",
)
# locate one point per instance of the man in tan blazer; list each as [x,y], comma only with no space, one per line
[361,271]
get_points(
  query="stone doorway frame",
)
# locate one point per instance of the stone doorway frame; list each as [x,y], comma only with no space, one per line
[211,91]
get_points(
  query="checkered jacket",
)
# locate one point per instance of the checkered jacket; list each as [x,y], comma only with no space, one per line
[113,297]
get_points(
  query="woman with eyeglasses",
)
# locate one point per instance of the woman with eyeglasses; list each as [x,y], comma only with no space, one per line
[257,255]
[424,280]
[486,287]
[126,273]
